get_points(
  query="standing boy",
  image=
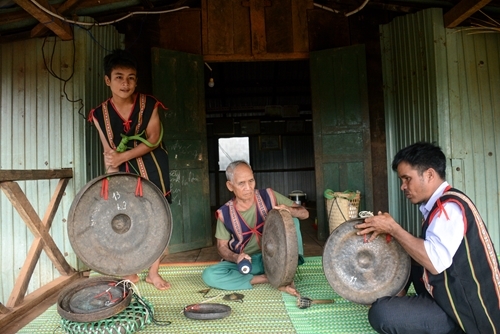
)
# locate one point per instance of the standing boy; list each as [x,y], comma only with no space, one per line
[127,113]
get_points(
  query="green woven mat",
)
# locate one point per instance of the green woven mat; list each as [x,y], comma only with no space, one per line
[340,317]
[264,309]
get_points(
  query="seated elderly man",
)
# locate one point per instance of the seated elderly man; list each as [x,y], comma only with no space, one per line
[240,223]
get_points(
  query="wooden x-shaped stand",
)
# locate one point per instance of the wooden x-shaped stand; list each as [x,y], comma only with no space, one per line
[19,304]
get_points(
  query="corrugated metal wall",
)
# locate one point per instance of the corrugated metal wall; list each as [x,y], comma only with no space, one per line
[43,126]
[442,85]
[99,42]
[410,90]
[474,121]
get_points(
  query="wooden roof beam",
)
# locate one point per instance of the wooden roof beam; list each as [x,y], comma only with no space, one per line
[66,7]
[60,28]
[462,11]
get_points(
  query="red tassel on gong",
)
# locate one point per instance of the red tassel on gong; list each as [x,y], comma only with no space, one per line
[104,188]
[138,188]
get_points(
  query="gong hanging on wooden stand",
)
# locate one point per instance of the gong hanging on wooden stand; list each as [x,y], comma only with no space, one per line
[118,224]
[362,271]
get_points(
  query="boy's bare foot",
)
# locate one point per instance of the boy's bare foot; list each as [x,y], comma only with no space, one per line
[158,282]
[132,278]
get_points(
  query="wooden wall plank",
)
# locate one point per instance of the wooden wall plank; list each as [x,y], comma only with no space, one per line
[279,29]
[181,31]
[258,24]
[300,10]
[204,26]
[241,38]
[219,25]
[254,30]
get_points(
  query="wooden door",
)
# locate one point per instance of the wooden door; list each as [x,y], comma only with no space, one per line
[178,82]
[341,126]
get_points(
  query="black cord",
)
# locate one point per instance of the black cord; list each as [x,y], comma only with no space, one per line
[89,32]
[51,71]
[150,311]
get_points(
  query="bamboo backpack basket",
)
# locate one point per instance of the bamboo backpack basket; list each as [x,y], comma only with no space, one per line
[341,206]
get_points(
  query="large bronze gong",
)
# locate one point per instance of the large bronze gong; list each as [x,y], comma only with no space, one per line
[123,234]
[363,271]
[279,248]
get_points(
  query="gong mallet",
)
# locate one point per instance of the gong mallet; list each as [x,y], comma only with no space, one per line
[305,302]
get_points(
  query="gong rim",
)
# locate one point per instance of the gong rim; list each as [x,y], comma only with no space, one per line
[279,248]
[363,272]
[66,297]
[124,234]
